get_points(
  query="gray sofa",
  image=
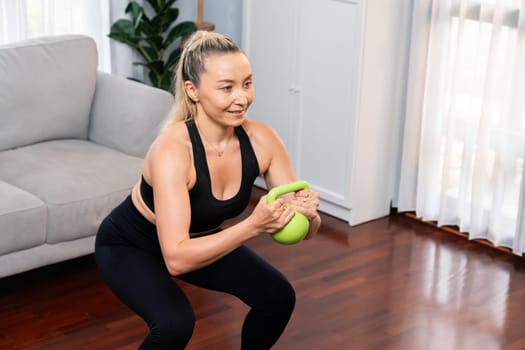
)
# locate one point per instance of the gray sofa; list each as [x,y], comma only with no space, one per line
[72,141]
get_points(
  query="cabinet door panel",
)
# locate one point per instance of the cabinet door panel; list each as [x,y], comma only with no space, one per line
[326,76]
[268,41]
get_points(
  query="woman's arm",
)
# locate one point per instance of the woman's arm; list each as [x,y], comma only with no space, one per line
[278,171]
[170,164]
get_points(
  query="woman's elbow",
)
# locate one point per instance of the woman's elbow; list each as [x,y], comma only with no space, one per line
[176,267]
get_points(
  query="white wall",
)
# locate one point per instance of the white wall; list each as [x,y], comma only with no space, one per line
[225,14]
[227,17]
[122,55]
[187,10]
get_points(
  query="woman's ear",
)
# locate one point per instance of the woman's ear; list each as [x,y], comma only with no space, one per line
[191,91]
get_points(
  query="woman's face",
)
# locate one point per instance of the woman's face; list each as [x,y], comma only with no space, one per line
[225,91]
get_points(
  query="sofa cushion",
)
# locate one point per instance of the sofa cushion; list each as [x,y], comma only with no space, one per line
[46,89]
[127,115]
[22,219]
[79,181]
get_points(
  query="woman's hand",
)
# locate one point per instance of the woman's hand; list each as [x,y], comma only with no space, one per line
[306,202]
[270,218]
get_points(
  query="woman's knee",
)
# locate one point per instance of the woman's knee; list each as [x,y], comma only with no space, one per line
[172,331]
[279,297]
[286,296]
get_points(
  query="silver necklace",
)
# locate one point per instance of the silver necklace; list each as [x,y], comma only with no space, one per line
[219,152]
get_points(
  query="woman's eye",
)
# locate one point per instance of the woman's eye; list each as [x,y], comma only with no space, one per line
[248,84]
[226,88]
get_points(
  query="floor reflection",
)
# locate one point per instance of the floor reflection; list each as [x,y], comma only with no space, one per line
[459,298]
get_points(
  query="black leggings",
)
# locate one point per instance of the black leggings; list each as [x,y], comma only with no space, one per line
[140,279]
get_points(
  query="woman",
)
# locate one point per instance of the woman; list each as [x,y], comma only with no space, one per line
[197,173]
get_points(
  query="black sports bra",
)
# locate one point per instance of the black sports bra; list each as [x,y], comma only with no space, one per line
[208,212]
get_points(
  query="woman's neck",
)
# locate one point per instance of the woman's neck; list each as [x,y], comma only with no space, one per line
[214,135]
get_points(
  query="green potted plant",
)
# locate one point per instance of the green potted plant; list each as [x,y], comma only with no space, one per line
[154,38]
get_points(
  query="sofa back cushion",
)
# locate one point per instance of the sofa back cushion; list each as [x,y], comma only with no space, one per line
[126,115]
[46,89]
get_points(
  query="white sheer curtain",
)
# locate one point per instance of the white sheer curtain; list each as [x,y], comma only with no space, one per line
[22,19]
[464,142]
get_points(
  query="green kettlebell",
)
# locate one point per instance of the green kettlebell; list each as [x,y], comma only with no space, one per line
[295,230]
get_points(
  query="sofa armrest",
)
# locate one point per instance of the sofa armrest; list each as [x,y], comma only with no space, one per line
[127,115]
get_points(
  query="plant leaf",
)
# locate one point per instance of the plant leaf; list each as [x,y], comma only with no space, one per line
[180,30]
[156,4]
[149,53]
[165,19]
[154,78]
[155,41]
[135,79]
[166,4]
[173,59]
[123,31]
[166,82]
[136,12]
[156,66]
[146,27]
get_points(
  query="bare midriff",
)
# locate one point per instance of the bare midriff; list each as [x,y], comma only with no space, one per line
[137,200]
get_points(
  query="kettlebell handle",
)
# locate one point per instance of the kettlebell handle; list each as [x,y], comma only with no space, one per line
[283,189]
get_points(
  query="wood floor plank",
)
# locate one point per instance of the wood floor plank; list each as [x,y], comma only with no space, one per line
[393,283]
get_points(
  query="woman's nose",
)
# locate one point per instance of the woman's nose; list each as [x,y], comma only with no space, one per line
[241,98]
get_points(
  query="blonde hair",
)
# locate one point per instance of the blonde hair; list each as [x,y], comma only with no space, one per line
[190,67]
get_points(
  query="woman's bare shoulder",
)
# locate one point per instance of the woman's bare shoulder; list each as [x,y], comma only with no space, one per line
[265,141]
[259,132]
[173,138]
[171,146]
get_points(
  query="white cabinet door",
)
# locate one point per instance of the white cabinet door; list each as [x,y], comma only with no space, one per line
[268,40]
[326,76]
[305,57]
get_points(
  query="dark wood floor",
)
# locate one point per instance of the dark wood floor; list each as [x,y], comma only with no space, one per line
[393,283]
